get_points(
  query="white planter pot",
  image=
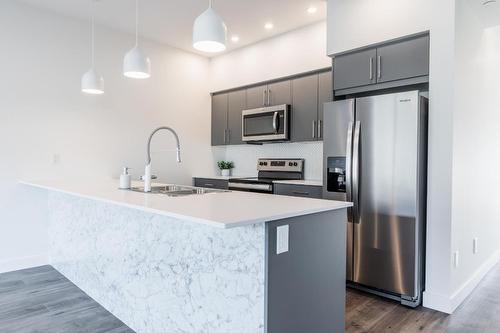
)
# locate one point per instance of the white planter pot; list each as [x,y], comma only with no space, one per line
[226,172]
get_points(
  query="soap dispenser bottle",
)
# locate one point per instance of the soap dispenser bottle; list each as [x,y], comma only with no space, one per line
[125,179]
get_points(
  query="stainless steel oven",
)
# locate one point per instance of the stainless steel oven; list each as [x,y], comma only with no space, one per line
[270,123]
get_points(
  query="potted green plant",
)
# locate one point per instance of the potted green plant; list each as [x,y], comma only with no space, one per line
[225,167]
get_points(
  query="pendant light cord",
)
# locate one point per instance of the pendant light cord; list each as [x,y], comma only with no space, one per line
[210,3]
[92,34]
[136,23]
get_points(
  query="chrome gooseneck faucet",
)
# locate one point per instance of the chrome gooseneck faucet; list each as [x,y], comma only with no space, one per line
[148,174]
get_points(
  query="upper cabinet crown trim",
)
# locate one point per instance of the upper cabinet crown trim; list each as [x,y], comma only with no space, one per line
[284,78]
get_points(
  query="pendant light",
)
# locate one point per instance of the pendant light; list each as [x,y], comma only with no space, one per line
[136,65]
[209,31]
[92,82]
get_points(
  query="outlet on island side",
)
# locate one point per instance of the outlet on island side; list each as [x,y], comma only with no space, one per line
[282,239]
[475,245]
[455,259]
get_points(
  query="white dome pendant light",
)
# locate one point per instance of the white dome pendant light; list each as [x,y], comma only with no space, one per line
[136,65]
[209,32]
[92,82]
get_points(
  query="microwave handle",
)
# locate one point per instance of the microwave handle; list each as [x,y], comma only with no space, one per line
[276,122]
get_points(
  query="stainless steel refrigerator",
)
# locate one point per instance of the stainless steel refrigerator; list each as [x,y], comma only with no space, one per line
[375,155]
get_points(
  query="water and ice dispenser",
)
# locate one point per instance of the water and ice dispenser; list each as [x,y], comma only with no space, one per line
[336,174]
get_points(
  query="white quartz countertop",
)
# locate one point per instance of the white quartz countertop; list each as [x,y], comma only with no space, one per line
[223,210]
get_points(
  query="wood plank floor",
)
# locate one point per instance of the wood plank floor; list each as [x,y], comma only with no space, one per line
[480,313]
[41,300]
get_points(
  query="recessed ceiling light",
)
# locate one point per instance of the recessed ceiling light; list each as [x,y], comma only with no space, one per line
[269,26]
[312,10]
[235,39]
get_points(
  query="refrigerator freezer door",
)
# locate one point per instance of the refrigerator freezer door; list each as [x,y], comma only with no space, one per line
[385,251]
[337,146]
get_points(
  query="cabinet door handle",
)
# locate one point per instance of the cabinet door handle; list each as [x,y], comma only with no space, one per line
[269,97]
[314,129]
[320,132]
[371,68]
[208,185]
[264,92]
[225,136]
[300,193]
[228,136]
[379,67]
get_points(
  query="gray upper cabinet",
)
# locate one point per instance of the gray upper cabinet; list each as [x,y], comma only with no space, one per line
[400,62]
[355,69]
[403,60]
[306,93]
[256,97]
[325,95]
[279,93]
[219,119]
[305,109]
[236,104]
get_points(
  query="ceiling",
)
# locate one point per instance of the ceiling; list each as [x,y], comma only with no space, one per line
[171,21]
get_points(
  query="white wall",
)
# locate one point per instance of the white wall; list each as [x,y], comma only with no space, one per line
[298,51]
[43,113]
[294,52]
[476,212]
[357,23]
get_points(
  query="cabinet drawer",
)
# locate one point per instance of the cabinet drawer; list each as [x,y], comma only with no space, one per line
[304,191]
[211,183]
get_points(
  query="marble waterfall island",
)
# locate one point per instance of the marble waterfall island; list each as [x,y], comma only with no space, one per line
[217,262]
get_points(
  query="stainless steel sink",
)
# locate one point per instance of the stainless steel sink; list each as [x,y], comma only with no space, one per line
[177,190]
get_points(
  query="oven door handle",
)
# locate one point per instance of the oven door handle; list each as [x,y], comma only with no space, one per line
[276,123]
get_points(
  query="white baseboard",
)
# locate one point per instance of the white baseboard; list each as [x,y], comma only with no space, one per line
[436,301]
[448,304]
[15,264]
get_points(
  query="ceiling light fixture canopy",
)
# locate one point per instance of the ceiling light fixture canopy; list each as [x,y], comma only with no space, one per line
[136,64]
[92,82]
[209,31]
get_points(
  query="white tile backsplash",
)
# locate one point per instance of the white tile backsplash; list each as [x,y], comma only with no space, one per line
[245,156]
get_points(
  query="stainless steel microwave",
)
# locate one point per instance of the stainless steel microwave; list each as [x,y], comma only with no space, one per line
[271,123]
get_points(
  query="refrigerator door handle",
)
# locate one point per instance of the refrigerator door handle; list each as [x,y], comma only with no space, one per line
[355,172]
[348,167]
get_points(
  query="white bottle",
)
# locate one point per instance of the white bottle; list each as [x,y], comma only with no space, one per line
[125,179]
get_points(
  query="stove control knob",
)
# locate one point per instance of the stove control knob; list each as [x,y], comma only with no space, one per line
[290,163]
[295,164]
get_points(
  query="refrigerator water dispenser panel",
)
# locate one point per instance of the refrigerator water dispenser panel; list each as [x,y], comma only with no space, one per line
[336,167]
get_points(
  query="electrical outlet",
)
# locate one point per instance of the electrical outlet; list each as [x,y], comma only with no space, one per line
[475,245]
[455,259]
[282,236]
[56,159]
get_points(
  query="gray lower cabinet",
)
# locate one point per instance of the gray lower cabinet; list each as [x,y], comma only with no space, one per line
[394,63]
[220,184]
[219,119]
[305,191]
[236,104]
[304,109]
